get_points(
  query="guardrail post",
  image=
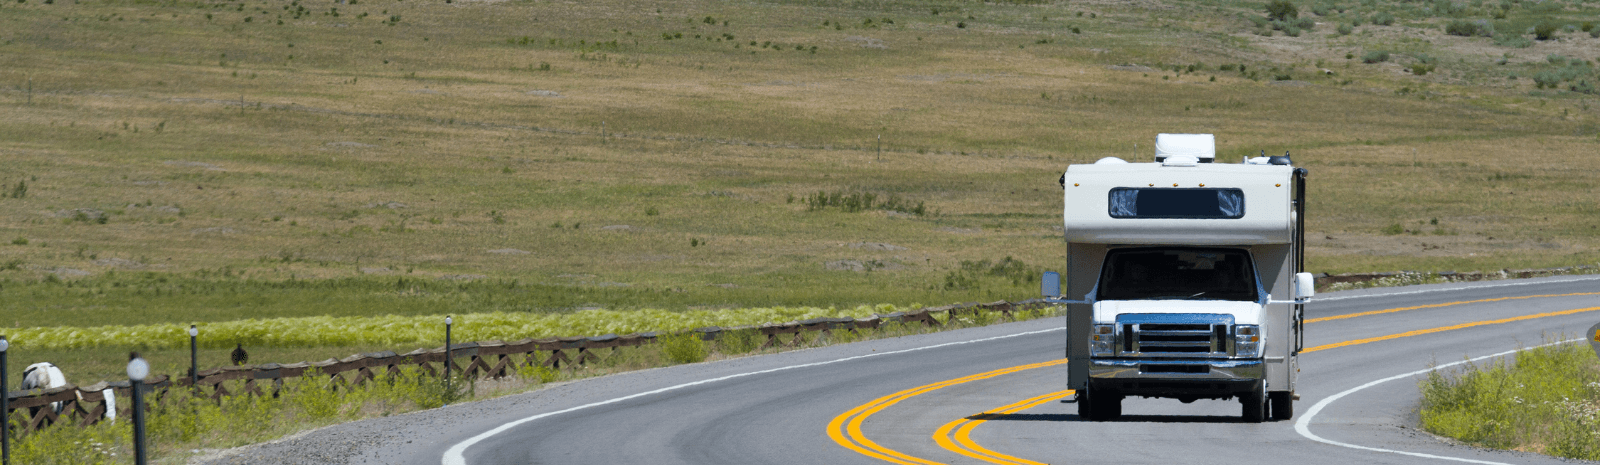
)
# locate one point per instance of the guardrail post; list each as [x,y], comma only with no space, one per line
[5,405]
[447,323]
[137,370]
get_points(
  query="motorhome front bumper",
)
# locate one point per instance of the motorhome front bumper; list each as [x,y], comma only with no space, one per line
[1176,369]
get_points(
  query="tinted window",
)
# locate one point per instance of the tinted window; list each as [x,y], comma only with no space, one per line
[1178,274]
[1159,202]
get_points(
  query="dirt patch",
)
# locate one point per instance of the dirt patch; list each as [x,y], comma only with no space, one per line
[378,270]
[84,214]
[616,227]
[953,229]
[509,252]
[461,277]
[1132,68]
[217,230]
[194,164]
[860,265]
[388,205]
[120,263]
[349,144]
[544,93]
[875,246]
[866,42]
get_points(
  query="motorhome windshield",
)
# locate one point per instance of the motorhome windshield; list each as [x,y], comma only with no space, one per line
[1174,273]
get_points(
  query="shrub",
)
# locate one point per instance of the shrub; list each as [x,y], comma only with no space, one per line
[1305,24]
[1345,29]
[19,241]
[1545,31]
[1383,19]
[1585,87]
[1468,28]
[1421,69]
[1282,10]
[1376,56]
[1545,79]
[683,347]
[1393,229]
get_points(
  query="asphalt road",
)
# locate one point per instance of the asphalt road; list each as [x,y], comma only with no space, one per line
[778,408]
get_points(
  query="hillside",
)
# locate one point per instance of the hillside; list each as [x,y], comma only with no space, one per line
[181,161]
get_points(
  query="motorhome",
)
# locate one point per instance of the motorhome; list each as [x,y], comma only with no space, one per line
[1185,279]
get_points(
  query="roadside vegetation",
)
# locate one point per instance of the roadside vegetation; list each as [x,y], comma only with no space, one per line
[184,426]
[1546,401]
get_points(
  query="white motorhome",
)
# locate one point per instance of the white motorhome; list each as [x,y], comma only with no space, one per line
[1185,279]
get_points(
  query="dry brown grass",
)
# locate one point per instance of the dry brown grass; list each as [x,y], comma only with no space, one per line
[716,139]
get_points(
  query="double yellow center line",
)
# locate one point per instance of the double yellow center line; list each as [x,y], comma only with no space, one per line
[954,436]
[845,429]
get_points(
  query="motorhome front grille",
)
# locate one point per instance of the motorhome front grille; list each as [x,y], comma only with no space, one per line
[1175,339]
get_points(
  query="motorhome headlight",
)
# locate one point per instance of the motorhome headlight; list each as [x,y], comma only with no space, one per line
[1103,340]
[1247,341]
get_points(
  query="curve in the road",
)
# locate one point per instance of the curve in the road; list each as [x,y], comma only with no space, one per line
[961,442]
[456,454]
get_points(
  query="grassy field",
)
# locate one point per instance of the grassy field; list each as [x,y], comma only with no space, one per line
[193,162]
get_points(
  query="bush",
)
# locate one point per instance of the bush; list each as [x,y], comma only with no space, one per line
[1305,24]
[683,347]
[1345,29]
[1282,10]
[1545,31]
[1383,19]
[1376,56]
[1468,28]
[1421,69]
[1393,229]
[1546,79]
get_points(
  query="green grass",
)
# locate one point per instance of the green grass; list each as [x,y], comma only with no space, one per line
[1547,401]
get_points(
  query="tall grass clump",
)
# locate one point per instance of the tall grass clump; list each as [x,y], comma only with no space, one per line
[683,347]
[1548,401]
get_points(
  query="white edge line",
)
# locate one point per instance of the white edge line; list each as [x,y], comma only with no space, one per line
[1302,426]
[456,454]
[1426,291]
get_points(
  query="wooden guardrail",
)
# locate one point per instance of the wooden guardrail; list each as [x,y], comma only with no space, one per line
[86,405]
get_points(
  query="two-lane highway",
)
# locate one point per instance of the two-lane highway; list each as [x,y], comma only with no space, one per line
[994,395]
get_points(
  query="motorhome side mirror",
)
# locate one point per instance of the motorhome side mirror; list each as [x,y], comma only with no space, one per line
[1305,286]
[1050,284]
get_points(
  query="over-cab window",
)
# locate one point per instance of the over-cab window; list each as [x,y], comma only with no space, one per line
[1159,202]
[1178,273]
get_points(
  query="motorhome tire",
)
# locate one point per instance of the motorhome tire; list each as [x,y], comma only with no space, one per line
[1282,405]
[1110,407]
[1086,406]
[1255,407]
